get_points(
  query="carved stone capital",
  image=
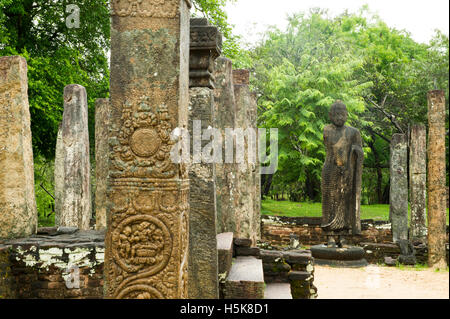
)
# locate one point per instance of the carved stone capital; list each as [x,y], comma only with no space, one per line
[205,47]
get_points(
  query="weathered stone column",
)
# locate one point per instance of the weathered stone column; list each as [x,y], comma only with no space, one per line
[101,160]
[247,219]
[203,265]
[436,180]
[72,164]
[146,244]
[224,118]
[418,181]
[398,195]
[18,214]
[256,170]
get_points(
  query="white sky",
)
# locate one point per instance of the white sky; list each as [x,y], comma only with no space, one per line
[419,17]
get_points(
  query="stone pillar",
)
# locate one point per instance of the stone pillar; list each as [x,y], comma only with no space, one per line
[205,46]
[146,244]
[256,171]
[436,180]
[418,180]
[101,161]
[18,214]
[398,195]
[225,113]
[247,219]
[72,164]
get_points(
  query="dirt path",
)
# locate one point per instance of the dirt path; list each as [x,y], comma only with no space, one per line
[376,282]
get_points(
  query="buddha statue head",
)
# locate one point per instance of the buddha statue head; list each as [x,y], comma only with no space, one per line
[338,113]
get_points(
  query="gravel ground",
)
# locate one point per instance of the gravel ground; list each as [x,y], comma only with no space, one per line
[379,282]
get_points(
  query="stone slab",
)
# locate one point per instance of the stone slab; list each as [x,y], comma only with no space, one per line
[246,279]
[277,291]
[224,251]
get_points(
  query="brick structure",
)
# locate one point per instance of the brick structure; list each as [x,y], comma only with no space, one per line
[60,266]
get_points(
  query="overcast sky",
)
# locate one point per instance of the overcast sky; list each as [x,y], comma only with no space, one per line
[420,18]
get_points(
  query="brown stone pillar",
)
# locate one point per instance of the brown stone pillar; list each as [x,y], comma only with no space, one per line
[18,214]
[398,195]
[203,264]
[224,118]
[101,161]
[436,180]
[418,181]
[146,245]
[72,164]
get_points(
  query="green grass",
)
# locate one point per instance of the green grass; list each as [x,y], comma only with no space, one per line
[293,209]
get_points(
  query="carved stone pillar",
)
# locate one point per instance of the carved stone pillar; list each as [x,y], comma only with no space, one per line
[203,265]
[146,253]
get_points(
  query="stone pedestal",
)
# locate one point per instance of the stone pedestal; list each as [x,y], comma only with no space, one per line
[146,245]
[418,181]
[203,264]
[101,160]
[72,164]
[18,215]
[350,256]
[398,195]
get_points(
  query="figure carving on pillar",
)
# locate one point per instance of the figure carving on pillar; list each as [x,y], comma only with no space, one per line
[341,178]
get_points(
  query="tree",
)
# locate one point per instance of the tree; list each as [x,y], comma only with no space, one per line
[381,73]
[58,55]
[300,73]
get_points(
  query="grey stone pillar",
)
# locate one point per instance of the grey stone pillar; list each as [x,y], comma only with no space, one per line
[203,265]
[247,219]
[253,116]
[147,238]
[72,164]
[398,197]
[225,113]
[418,180]
[437,236]
[101,160]
[18,214]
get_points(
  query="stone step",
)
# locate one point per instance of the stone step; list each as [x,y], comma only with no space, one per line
[277,291]
[224,251]
[245,280]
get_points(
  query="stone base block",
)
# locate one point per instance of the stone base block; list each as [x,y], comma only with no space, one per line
[224,251]
[246,279]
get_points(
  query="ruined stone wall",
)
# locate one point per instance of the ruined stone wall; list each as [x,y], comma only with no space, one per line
[278,230]
[375,238]
[45,266]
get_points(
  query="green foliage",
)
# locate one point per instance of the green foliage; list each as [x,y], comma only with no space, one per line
[300,73]
[213,10]
[304,209]
[57,56]
[44,184]
[380,73]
